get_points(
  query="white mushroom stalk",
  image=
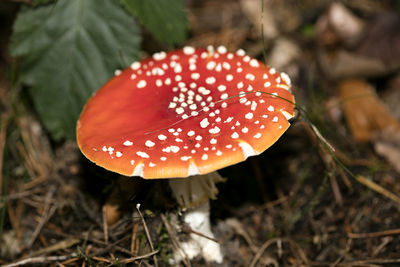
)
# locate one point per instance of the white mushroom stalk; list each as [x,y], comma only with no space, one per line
[193,196]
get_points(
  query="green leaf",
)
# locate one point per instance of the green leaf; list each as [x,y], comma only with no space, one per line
[68,50]
[166,19]
[41,2]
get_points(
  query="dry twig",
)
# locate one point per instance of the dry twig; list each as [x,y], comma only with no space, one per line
[147,234]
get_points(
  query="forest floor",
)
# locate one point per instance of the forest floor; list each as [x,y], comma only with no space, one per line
[326,194]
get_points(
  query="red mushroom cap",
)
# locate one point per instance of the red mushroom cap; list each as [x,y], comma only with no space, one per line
[186,112]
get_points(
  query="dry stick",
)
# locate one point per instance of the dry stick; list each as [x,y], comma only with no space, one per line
[41,259]
[64,244]
[43,221]
[189,230]
[47,213]
[135,227]
[372,185]
[262,249]
[3,130]
[174,240]
[374,234]
[147,234]
[129,260]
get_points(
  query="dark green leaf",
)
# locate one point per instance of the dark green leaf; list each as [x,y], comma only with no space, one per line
[166,19]
[68,50]
[41,2]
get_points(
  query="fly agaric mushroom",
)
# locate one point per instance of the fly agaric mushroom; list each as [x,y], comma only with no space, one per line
[186,113]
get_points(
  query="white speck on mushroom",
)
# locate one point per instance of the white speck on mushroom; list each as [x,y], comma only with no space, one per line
[188,50]
[162,137]
[240,52]
[159,56]
[245,130]
[175,149]
[126,143]
[224,96]
[204,157]
[214,130]
[191,133]
[250,76]
[118,154]
[246,59]
[195,75]
[257,135]
[135,65]
[270,108]
[249,116]
[253,105]
[158,83]
[240,85]
[172,105]
[221,88]
[104,148]
[229,119]
[275,119]
[168,81]
[163,158]
[178,68]
[204,123]
[213,141]
[226,65]
[224,105]
[149,143]
[229,77]
[141,84]
[198,138]
[235,135]
[285,78]
[185,158]
[132,162]
[211,65]
[142,154]
[267,84]
[254,63]
[221,49]
[117,72]
[210,80]
[151,164]
[272,71]
[179,110]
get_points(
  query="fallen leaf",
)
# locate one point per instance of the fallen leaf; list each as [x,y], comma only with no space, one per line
[365,113]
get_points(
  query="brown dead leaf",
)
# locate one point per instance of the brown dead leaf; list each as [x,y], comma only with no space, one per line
[365,113]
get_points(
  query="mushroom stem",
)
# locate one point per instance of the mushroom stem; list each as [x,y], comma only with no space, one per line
[193,195]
